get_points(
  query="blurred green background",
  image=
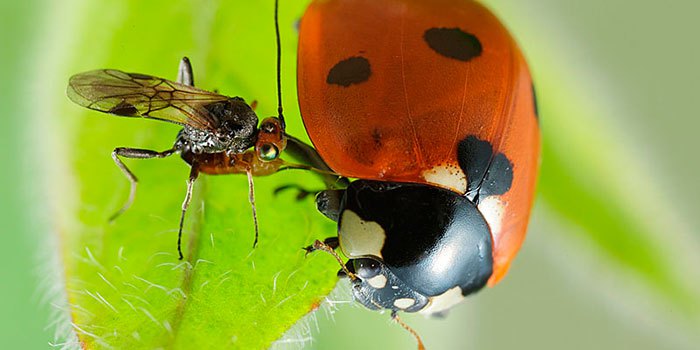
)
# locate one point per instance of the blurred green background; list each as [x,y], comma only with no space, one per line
[629,68]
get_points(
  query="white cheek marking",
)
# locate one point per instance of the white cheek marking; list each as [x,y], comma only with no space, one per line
[378,281]
[493,210]
[359,238]
[404,303]
[443,301]
[447,175]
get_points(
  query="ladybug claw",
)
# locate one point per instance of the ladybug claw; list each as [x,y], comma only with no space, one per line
[318,245]
[309,250]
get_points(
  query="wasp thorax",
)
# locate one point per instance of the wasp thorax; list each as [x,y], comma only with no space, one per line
[234,129]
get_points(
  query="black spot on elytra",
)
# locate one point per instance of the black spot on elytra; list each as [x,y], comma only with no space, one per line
[534,103]
[487,174]
[140,76]
[353,70]
[124,109]
[499,177]
[473,156]
[453,43]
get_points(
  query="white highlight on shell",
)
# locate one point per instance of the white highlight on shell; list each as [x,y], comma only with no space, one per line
[404,303]
[493,210]
[378,281]
[359,238]
[447,175]
[443,301]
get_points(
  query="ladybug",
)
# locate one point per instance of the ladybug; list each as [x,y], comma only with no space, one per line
[430,106]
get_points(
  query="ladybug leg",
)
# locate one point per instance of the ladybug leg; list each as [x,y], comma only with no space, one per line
[302,193]
[330,242]
[318,245]
[184,72]
[348,267]
[395,317]
[328,203]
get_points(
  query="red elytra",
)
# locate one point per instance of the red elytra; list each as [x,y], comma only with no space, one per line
[399,90]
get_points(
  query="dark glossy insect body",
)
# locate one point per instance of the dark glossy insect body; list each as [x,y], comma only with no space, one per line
[218,131]
[411,242]
[234,133]
[431,105]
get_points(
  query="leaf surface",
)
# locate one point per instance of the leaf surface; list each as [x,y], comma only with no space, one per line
[125,285]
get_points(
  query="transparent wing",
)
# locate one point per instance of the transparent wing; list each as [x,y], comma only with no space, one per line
[139,95]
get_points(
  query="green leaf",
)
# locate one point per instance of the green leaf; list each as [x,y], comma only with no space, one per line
[125,285]
[591,183]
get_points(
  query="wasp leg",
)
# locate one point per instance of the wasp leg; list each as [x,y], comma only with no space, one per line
[184,72]
[312,161]
[307,155]
[330,242]
[137,154]
[194,172]
[251,199]
[395,317]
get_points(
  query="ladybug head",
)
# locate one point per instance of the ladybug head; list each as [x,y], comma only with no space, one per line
[413,246]
[376,287]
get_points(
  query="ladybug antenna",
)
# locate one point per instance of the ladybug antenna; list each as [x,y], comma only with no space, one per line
[395,317]
[279,65]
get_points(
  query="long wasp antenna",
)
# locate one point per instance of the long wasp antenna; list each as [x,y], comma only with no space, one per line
[279,66]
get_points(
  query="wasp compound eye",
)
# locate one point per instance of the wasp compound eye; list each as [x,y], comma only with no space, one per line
[268,152]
